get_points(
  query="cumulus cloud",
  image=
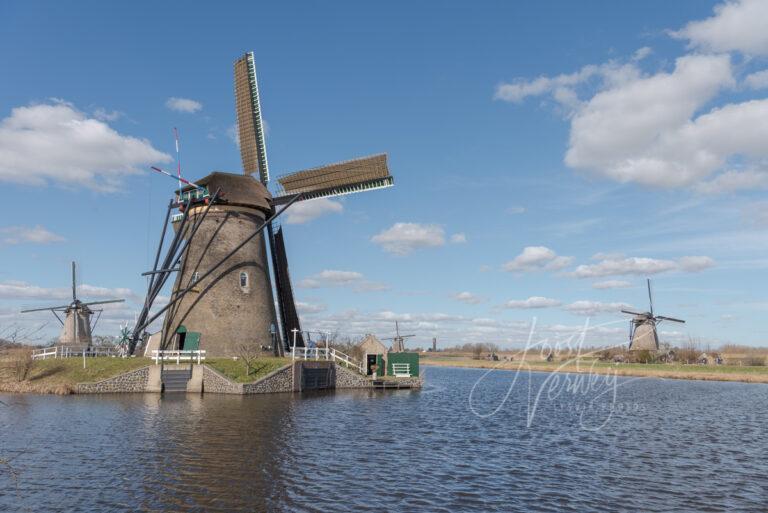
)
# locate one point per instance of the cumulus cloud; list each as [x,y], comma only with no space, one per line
[57,143]
[404,238]
[22,290]
[736,26]
[306,308]
[335,278]
[619,265]
[611,284]
[731,181]
[468,297]
[305,211]
[23,234]
[595,307]
[532,302]
[758,80]
[660,129]
[183,105]
[536,258]
[458,238]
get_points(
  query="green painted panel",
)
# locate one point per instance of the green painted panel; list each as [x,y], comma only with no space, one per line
[409,358]
[380,362]
[192,341]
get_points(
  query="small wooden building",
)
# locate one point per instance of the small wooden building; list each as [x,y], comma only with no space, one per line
[374,353]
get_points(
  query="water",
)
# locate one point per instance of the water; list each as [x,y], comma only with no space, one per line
[655,446]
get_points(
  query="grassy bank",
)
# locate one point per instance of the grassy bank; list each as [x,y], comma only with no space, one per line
[59,376]
[671,371]
[236,370]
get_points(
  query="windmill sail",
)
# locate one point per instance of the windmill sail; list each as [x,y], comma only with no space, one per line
[253,147]
[348,177]
[288,313]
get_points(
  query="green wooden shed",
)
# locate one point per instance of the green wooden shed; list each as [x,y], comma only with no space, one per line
[403,364]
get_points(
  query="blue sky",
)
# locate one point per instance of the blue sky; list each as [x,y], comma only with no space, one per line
[548,157]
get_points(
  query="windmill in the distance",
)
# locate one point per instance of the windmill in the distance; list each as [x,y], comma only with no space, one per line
[398,341]
[223,297]
[76,327]
[643,335]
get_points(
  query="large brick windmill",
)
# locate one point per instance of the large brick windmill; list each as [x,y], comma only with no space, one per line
[223,293]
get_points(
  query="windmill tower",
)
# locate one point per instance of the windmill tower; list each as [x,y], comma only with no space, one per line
[643,335]
[398,341]
[76,328]
[228,256]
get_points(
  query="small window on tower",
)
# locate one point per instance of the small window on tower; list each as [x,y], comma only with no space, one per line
[195,276]
[244,280]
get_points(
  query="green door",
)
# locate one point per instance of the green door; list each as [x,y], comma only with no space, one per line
[192,341]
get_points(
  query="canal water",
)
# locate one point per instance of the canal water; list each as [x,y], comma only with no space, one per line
[469,441]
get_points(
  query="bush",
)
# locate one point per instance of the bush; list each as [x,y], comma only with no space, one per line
[19,363]
[754,361]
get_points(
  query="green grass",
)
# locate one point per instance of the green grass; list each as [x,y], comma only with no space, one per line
[61,375]
[236,370]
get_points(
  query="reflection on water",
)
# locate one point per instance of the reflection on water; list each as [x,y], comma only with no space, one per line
[657,446]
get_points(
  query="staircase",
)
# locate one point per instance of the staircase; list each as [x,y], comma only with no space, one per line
[176,380]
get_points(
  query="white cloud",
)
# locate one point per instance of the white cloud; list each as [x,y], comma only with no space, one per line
[105,115]
[305,211]
[22,290]
[309,308]
[533,302]
[404,238]
[758,80]
[24,234]
[693,264]
[736,26]
[458,238]
[468,297]
[57,143]
[562,87]
[516,210]
[659,129]
[536,258]
[611,284]
[731,181]
[334,278]
[595,307]
[619,265]
[183,105]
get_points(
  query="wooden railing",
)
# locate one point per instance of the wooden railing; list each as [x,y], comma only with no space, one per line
[173,355]
[324,353]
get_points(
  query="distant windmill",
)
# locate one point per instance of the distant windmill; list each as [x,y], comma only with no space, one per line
[76,326]
[642,327]
[398,341]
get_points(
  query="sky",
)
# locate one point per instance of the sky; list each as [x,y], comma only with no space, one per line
[548,158]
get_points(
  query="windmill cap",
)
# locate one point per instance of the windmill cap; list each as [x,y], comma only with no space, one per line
[237,189]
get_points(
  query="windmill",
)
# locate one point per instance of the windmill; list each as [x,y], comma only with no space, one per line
[398,341]
[642,327]
[76,326]
[226,267]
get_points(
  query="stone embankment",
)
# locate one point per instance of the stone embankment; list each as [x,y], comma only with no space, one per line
[294,377]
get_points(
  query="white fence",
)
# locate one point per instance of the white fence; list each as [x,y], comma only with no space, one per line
[324,353]
[172,355]
[72,351]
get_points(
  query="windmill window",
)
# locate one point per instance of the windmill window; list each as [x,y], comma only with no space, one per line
[195,276]
[244,280]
